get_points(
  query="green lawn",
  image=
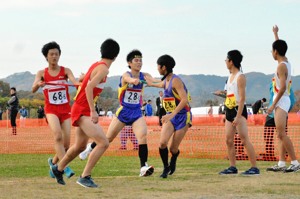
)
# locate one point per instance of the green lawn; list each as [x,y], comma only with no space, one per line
[26,176]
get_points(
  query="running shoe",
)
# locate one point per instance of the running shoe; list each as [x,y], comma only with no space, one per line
[146,170]
[87,182]
[50,162]
[69,172]
[276,168]
[51,174]
[50,165]
[58,175]
[84,154]
[253,171]
[292,168]
[229,171]
[165,172]
[173,162]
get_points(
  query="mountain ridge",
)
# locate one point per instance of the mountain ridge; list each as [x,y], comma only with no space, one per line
[200,86]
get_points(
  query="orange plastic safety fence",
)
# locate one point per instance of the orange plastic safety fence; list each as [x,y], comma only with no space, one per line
[205,139]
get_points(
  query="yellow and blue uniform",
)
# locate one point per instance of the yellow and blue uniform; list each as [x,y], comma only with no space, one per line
[170,101]
[232,99]
[130,99]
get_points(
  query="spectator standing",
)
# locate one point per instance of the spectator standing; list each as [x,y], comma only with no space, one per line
[41,112]
[148,108]
[160,111]
[23,115]
[13,104]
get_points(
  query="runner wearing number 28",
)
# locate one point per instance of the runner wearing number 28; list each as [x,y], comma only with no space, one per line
[129,113]
[57,101]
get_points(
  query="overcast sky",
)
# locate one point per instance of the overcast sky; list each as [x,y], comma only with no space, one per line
[197,33]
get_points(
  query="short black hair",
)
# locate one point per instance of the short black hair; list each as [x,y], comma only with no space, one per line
[168,61]
[264,99]
[134,54]
[236,57]
[149,100]
[13,88]
[109,49]
[49,46]
[280,46]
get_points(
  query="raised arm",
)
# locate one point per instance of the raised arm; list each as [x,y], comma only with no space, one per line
[275,31]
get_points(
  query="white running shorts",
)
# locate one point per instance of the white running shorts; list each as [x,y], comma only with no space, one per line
[284,103]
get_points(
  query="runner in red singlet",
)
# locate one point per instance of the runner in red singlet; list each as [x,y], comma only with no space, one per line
[85,117]
[57,101]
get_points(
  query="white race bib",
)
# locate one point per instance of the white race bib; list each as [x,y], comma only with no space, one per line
[132,96]
[57,96]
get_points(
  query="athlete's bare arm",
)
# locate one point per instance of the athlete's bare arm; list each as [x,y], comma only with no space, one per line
[241,84]
[38,81]
[130,80]
[275,31]
[154,82]
[220,92]
[81,77]
[97,75]
[177,85]
[71,77]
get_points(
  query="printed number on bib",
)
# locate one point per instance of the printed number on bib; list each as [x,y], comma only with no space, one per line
[169,104]
[132,96]
[230,101]
[189,97]
[57,96]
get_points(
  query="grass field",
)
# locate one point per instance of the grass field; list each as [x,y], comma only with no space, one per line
[26,176]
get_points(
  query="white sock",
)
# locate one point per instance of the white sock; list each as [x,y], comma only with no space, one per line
[295,162]
[281,163]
